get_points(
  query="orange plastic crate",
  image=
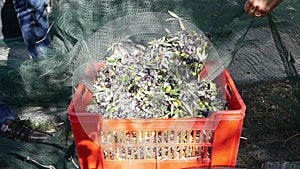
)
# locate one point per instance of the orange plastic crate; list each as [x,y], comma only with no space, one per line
[134,143]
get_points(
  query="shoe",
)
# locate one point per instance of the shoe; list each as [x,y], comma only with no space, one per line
[18,131]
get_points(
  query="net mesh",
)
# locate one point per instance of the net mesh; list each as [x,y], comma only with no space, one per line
[76,21]
[131,36]
[253,48]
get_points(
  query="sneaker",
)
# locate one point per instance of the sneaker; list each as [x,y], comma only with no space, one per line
[18,131]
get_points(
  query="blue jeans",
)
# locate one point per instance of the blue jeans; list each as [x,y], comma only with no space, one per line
[5,113]
[34,25]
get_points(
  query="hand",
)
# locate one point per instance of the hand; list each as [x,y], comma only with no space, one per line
[260,8]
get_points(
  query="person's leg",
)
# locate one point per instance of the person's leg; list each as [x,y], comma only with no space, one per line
[34,24]
[5,114]
[10,24]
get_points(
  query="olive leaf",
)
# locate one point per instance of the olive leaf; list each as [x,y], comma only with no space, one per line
[155,81]
[181,24]
[173,15]
[175,92]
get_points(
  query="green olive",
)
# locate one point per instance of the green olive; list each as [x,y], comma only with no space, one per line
[168,89]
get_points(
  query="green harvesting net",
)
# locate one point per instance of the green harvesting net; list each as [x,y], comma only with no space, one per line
[232,33]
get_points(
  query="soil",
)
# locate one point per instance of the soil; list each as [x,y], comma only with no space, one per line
[270,132]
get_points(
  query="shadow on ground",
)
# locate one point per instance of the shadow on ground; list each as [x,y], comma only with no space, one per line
[270,131]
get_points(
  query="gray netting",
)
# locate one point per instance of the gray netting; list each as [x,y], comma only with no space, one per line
[140,28]
[255,49]
[76,21]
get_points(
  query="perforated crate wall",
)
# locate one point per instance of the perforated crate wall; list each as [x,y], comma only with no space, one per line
[157,143]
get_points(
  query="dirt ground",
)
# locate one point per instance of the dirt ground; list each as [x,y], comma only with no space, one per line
[270,132]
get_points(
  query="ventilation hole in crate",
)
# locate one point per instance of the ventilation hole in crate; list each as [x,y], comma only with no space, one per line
[123,153]
[209,152]
[165,144]
[82,93]
[229,89]
[102,137]
[134,138]
[136,153]
[111,153]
